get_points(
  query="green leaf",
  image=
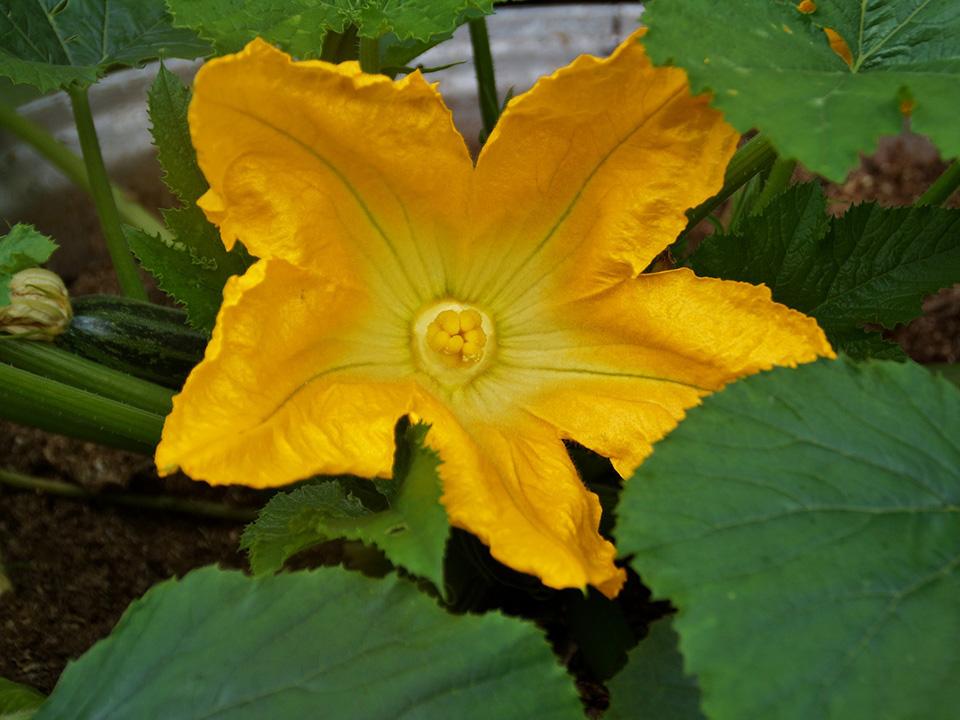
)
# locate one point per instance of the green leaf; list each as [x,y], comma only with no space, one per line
[193,267]
[51,44]
[21,248]
[412,531]
[806,523]
[653,685]
[409,27]
[18,702]
[872,266]
[325,643]
[782,77]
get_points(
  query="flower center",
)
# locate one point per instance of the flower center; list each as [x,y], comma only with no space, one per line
[453,341]
[457,335]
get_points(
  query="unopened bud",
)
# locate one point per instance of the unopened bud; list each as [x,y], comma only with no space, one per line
[39,306]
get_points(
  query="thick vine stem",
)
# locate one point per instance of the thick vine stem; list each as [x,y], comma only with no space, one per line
[53,406]
[943,187]
[71,165]
[123,262]
[61,366]
[486,79]
[166,503]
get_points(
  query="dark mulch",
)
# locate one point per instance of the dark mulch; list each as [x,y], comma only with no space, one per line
[75,566]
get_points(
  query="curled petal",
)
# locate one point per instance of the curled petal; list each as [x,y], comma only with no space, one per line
[515,488]
[302,376]
[317,163]
[587,176]
[621,368]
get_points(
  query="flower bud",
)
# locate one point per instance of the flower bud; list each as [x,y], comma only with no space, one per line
[39,306]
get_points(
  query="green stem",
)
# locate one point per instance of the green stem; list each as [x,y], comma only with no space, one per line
[53,363]
[32,400]
[943,187]
[777,182]
[486,80]
[72,166]
[750,159]
[166,503]
[369,55]
[123,262]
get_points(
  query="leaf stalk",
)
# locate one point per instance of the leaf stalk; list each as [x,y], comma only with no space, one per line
[123,262]
[943,187]
[486,79]
[777,182]
[370,55]
[64,367]
[56,407]
[71,165]
[165,503]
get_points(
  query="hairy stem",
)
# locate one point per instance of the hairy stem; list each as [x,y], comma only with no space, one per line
[943,187]
[166,503]
[123,262]
[61,366]
[486,79]
[71,165]
[777,182]
[53,406]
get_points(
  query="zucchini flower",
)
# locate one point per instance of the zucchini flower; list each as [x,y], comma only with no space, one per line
[503,303]
[39,306]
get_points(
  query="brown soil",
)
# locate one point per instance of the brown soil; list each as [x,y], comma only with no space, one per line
[74,565]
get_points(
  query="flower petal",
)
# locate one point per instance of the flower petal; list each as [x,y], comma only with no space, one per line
[514,487]
[302,376]
[306,376]
[324,166]
[587,176]
[621,368]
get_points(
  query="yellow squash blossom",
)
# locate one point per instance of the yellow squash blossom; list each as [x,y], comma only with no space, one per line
[502,303]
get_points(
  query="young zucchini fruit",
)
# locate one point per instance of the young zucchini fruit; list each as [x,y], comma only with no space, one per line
[147,341]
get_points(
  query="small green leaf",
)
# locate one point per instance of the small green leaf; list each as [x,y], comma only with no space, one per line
[806,523]
[412,531]
[194,266]
[782,77]
[872,266]
[653,684]
[408,27]
[51,44]
[326,643]
[18,702]
[21,248]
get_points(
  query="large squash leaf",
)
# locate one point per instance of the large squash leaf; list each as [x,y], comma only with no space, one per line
[300,26]
[51,44]
[320,644]
[772,67]
[806,523]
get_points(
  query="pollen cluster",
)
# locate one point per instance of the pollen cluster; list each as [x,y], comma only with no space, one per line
[458,335]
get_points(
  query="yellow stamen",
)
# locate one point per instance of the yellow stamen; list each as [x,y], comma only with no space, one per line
[457,336]
[449,320]
[807,7]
